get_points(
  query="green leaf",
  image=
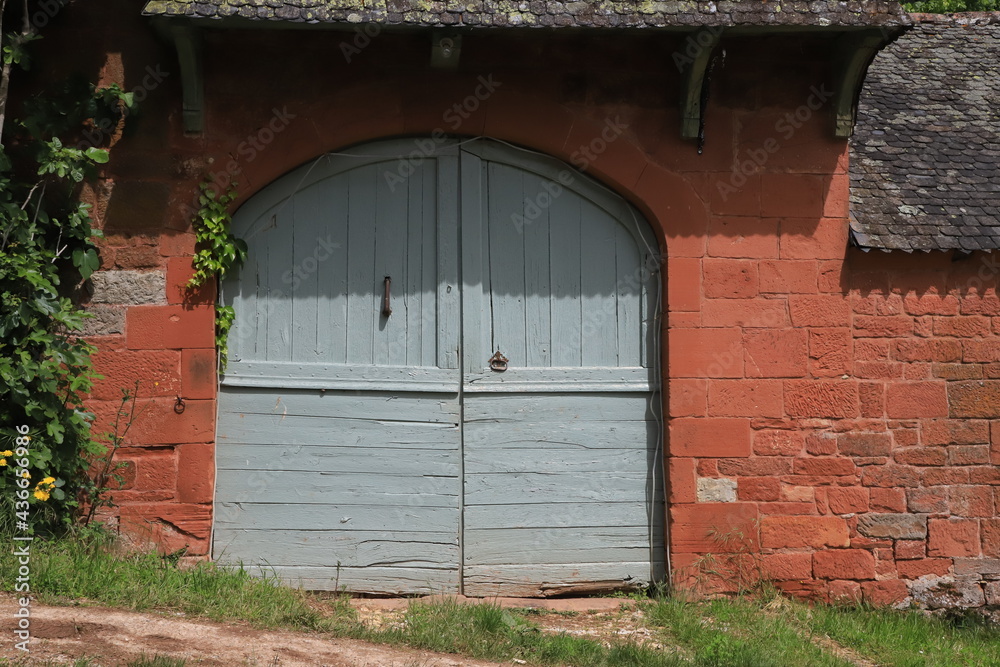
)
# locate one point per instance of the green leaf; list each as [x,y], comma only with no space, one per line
[98,155]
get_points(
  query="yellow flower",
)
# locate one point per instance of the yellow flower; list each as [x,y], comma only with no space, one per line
[7,453]
[48,480]
[3,462]
[26,474]
[41,494]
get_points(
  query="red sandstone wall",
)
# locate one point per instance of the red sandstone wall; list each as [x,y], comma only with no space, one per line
[832,407]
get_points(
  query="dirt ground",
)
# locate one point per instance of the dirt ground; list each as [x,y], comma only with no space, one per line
[112,637]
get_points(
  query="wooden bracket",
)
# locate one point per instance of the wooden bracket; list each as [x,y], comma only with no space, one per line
[693,62]
[186,40]
[855,54]
[446,50]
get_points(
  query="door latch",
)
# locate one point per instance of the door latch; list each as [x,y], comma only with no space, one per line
[498,362]
[386,297]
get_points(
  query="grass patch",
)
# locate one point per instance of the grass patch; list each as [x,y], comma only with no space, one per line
[92,569]
[489,632]
[909,638]
[736,633]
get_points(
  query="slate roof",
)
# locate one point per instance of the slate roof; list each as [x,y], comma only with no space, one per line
[542,13]
[925,155]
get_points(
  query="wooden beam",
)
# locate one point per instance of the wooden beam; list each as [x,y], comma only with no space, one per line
[693,63]
[856,52]
[187,41]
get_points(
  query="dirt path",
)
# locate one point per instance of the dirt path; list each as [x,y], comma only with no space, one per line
[111,637]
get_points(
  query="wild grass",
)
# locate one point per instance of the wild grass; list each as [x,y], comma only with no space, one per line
[748,631]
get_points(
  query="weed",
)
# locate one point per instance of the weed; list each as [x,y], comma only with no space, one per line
[157,661]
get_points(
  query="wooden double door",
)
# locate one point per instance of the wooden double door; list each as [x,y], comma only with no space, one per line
[442,378]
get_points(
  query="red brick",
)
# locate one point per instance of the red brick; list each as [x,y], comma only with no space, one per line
[980,351]
[701,353]
[809,238]
[158,424]
[957,371]
[954,432]
[830,351]
[199,377]
[893,326]
[767,313]
[729,278]
[844,564]
[872,398]
[843,591]
[157,371]
[944,476]
[787,509]
[697,528]
[990,532]
[819,311]
[887,500]
[821,398]
[682,480]
[953,538]
[970,501]
[890,475]
[765,489]
[179,272]
[155,470]
[787,567]
[871,349]
[914,569]
[137,257]
[174,244]
[927,350]
[742,237]
[822,443]
[785,276]
[777,443]
[920,456]
[823,466]
[779,532]
[794,195]
[975,326]
[195,473]
[849,500]
[884,593]
[877,304]
[683,284]
[906,437]
[931,304]
[968,455]
[755,466]
[170,525]
[985,304]
[775,353]
[745,398]
[864,444]
[910,549]
[688,398]
[170,327]
[877,370]
[709,437]
[831,276]
[995,443]
[985,474]
[906,400]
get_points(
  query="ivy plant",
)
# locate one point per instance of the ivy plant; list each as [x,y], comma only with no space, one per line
[218,252]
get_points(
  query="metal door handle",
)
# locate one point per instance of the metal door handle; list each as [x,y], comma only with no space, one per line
[498,362]
[386,306]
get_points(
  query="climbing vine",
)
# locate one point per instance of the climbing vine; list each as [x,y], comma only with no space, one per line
[47,250]
[218,252]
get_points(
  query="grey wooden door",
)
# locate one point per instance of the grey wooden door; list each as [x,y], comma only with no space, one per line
[383,453]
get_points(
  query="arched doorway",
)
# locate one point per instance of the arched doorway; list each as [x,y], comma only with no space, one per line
[442,377]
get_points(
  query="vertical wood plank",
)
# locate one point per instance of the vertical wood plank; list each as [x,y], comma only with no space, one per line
[449,305]
[506,264]
[391,228]
[302,281]
[362,306]
[434,287]
[629,298]
[537,276]
[474,324]
[598,293]
[331,211]
[279,240]
[564,225]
